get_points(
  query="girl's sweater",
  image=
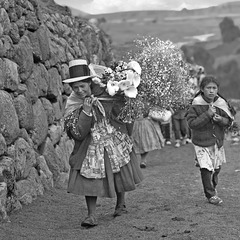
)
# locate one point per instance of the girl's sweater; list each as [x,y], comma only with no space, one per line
[206,132]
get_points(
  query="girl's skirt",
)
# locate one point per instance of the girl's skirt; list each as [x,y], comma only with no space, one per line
[211,157]
[147,135]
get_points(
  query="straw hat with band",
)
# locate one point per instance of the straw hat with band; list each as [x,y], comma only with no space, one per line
[78,70]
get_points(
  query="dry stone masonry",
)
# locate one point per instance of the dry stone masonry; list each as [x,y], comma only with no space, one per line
[35,47]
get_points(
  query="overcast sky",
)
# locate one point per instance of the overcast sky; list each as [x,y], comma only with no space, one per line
[108,6]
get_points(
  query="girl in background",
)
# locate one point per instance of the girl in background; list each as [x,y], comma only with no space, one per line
[180,128]
[208,117]
[147,136]
[165,125]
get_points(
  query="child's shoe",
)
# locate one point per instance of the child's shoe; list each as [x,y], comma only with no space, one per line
[184,141]
[188,140]
[177,144]
[215,200]
[168,143]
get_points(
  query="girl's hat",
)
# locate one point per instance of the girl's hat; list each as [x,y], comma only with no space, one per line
[78,70]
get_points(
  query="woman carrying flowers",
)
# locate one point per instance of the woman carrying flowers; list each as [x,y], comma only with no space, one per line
[103,162]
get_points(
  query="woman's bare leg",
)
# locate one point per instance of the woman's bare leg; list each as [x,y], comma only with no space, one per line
[90,220]
[143,163]
[91,204]
[120,205]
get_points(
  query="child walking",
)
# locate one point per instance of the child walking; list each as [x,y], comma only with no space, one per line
[208,117]
[180,128]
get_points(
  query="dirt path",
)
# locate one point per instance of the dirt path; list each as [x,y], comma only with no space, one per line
[169,204]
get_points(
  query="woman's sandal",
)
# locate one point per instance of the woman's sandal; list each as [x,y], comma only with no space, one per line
[89,221]
[120,210]
[143,165]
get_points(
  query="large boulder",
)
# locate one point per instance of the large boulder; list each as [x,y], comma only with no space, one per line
[28,189]
[24,57]
[48,151]
[40,43]
[31,22]
[40,127]
[25,159]
[37,83]
[9,125]
[57,50]
[55,132]
[6,46]
[64,150]
[14,33]
[4,22]
[55,84]
[7,163]
[24,111]
[49,110]
[3,198]
[9,78]
[3,145]
[46,175]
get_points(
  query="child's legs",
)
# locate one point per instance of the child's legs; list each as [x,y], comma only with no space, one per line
[176,128]
[215,177]
[91,202]
[208,186]
[184,127]
[162,126]
[166,131]
[189,133]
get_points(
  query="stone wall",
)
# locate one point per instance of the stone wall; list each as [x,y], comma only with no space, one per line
[35,48]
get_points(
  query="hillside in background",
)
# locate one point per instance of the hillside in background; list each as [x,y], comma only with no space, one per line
[181,27]
[197,29]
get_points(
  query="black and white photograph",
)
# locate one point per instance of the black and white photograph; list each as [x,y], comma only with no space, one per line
[119,120]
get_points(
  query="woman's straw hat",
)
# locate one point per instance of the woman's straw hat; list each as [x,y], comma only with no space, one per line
[78,70]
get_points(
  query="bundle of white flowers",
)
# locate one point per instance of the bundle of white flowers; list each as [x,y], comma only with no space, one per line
[121,78]
[124,77]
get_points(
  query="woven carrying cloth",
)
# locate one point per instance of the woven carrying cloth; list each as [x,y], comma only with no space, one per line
[117,145]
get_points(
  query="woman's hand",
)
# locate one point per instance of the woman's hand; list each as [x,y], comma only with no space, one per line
[87,105]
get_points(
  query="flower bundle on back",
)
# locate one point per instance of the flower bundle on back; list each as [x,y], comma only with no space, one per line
[165,74]
[157,77]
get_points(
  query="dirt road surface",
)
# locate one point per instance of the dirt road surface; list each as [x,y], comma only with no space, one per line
[168,204]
